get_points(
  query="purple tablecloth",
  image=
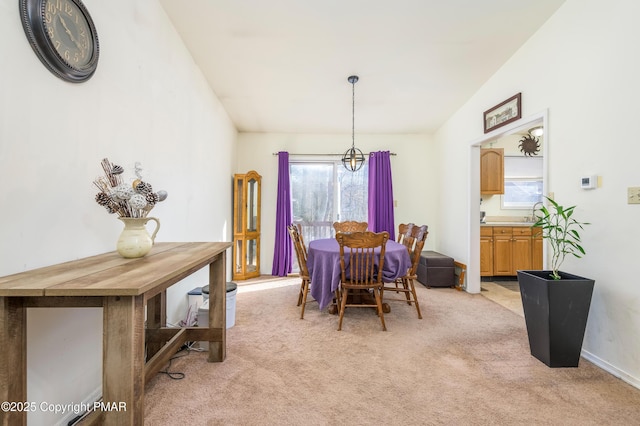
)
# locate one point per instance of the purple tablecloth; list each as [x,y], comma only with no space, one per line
[323,261]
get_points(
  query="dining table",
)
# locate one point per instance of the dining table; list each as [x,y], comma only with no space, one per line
[323,263]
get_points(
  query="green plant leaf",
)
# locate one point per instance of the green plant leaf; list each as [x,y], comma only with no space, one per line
[559,227]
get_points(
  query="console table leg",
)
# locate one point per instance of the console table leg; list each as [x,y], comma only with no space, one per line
[218,307]
[123,360]
[13,358]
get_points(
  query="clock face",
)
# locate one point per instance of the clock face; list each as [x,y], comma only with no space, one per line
[63,36]
[69,33]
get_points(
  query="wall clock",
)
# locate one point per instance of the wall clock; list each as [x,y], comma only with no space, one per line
[63,36]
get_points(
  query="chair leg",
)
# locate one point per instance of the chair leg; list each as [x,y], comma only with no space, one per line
[304,298]
[415,297]
[343,304]
[377,292]
[300,293]
[405,286]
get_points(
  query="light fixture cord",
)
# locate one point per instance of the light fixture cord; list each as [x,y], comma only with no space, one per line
[353,114]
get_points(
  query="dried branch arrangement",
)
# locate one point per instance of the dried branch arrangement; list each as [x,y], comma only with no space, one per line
[134,199]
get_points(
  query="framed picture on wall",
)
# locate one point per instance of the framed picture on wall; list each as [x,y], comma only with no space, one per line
[503,113]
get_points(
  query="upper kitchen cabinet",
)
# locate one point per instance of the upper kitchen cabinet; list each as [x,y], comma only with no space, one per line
[492,171]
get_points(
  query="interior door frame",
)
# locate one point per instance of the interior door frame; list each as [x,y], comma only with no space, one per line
[473,238]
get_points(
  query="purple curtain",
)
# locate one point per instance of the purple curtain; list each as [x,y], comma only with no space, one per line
[381,194]
[283,246]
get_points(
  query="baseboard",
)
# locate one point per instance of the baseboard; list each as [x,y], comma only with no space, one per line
[88,402]
[633,381]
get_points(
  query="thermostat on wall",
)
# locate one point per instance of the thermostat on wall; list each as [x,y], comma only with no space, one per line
[589,182]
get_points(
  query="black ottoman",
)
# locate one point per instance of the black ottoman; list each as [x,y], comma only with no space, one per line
[436,270]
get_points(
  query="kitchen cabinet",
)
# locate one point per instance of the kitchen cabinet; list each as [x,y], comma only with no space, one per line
[502,250]
[506,249]
[536,249]
[521,250]
[492,171]
[486,251]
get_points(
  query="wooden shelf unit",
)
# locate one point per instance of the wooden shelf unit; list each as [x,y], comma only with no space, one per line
[246,225]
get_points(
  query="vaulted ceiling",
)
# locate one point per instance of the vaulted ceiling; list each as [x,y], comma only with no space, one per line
[282,65]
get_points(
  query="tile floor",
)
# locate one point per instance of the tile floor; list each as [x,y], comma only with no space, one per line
[505,293]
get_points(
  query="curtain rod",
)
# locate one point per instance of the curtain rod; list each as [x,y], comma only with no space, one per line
[328,155]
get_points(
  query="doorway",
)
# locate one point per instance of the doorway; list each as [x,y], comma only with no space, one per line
[473,248]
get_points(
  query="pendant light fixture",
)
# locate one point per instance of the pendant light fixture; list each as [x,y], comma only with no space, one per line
[353,158]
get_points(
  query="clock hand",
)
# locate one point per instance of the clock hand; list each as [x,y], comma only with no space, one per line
[66,29]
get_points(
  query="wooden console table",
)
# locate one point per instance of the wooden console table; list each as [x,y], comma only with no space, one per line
[122,287]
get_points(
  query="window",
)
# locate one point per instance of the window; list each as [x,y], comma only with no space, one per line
[323,192]
[522,182]
[521,193]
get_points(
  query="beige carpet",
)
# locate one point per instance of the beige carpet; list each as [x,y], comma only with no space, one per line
[466,363]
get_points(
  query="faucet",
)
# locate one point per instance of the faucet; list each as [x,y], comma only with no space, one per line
[533,211]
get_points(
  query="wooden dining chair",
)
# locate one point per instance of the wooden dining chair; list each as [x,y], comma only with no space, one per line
[414,234]
[418,231]
[403,230]
[359,270]
[301,254]
[405,284]
[302,243]
[350,226]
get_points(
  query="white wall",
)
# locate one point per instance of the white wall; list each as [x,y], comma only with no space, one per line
[580,68]
[147,102]
[413,170]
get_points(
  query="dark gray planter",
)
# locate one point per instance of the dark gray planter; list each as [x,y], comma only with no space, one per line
[556,314]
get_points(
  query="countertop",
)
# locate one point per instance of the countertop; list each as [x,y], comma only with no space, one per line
[506,223]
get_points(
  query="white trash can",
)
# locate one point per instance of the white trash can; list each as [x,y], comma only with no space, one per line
[203,311]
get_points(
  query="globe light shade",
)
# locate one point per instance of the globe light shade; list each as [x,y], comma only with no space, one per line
[353,159]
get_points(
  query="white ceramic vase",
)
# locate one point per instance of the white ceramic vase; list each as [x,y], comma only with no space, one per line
[135,240]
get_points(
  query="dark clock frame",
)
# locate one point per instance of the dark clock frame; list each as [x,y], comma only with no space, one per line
[32,14]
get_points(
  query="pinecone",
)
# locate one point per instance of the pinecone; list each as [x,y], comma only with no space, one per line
[144,188]
[152,199]
[103,198]
[117,170]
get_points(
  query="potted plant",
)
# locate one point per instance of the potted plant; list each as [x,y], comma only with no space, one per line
[556,304]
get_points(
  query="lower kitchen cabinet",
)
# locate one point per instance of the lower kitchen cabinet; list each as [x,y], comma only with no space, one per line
[511,248]
[502,250]
[521,250]
[536,249]
[486,251]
